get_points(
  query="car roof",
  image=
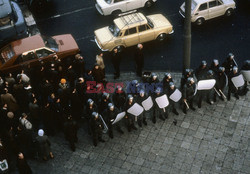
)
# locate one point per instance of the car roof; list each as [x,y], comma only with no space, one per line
[5,8]
[201,1]
[27,44]
[131,20]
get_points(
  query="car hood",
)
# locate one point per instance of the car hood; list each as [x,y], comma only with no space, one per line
[66,42]
[102,3]
[103,35]
[159,20]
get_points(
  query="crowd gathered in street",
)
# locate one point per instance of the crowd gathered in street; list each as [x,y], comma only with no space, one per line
[39,102]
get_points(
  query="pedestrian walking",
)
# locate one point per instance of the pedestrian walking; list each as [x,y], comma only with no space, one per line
[139,59]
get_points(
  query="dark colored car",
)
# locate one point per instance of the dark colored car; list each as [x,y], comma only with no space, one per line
[32,50]
[12,23]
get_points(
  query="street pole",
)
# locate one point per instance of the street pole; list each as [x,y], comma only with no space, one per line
[187,36]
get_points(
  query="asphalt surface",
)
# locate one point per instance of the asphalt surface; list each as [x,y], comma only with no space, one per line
[214,40]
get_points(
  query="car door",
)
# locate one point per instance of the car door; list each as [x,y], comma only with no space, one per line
[119,5]
[133,4]
[145,33]
[131,37]
[202,11]
[215,9]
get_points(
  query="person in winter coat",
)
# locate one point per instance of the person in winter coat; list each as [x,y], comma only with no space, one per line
[188,95]
[116,60]
[22,165]
[98,74]
[142,117]
[129,117]
[139,59]
[119,97]
[7,98]
[96,128]
[43,145]
[70,132]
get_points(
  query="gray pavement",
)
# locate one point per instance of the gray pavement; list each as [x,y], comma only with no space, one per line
[213,139]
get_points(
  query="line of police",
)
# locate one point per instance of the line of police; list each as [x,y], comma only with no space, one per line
[101,118]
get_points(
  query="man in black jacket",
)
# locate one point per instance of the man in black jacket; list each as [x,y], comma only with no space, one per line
[139,59]
[188,94]
[70,132]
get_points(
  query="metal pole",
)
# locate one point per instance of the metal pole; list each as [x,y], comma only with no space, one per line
[187,36]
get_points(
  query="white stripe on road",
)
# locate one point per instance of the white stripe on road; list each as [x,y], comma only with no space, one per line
[67,13]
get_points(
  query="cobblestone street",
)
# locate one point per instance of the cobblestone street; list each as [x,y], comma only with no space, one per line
[212,139]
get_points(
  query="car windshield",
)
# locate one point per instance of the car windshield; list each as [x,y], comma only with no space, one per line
[50,43]
[4,21]
[6,54]
[193,5]
[114,30]
[150,23]
[108,1]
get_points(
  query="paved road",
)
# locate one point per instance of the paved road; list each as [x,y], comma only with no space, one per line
[215,39]
[213,139]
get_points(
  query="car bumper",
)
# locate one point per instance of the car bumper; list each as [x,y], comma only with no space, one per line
[171,32]
[100,46]
[98,8]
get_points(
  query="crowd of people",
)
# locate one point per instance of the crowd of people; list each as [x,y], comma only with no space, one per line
[40,101]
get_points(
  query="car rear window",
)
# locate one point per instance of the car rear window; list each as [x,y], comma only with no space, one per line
[6,54]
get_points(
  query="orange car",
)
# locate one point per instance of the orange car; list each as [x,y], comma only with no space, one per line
[32,50]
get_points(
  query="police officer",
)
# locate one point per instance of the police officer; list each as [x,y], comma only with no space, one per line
[70,132]
[129,117]
[106,99]
[229,63]
[231,87]
[119,98]
[188,73]
[90,108]
[201,71]
[110,114]
[142,118]
[165,81]
[158,111]
[116,60]
[221,80]
[188,94]
[173,104]
[96,128]
[215,66]
[139,59]
[133,88]
[153,82]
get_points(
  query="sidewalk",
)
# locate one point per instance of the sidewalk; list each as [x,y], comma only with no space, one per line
[213,139]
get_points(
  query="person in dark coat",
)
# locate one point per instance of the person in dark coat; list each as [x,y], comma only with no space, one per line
[96,128]
[106,99]
[119,97]
[70,132]
[34,113]
[153,83]
[43,145]
[139,60]
[48,118]
[142,117]
[220,84]
[98,74]
[161,112]
[110,115]
[201,71]
[172,104]
[76,105]
[7,98]
[81,89]
[22,165]
[215,66]
[188,95]
[116,60]
[231,87]
[129,117]
[166,81]
[88,76]
[90,108]
[79,65]
[229,64]
[188,73]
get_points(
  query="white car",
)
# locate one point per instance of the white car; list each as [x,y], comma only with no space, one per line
[107,7]
[202,10]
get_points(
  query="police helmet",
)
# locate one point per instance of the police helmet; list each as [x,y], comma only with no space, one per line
[210,73]
[135,82]
[221,69]
[158,90]
[216,62]
[203,63]
[230,55]
[95,114]
[142,92]
[190,80]
[171,84]
[235,68]
[119,87]
[105,95]
[111,105]
[130,97]
[90,101]
[168,75]
[154,75]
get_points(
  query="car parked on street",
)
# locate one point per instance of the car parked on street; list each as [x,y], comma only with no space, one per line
[132,29]
[202,10]
[32,50]
[12,23]
[107,7]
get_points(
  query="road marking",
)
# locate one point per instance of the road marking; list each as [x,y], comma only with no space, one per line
[67,13]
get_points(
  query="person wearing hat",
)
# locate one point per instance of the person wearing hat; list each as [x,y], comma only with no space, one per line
[201,71]
[161,112]
[79,65]
[24,122]
[188,93]
[139,60]
[165,81]
[231,87]
[172,104]
[153,83]
[142,117]
[105,100]
[70,132]
[229,64]
[116,60]
[43,145]
[90,108]
[98,74]
[221,80]
[7,98]
[215,66]
[96,128]
[110,114]
[129,118]
[133,88]
[119,97]
[187,73]
[22,165]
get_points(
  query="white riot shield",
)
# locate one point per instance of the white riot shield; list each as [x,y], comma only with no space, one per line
[135,110]
[162,101]
[246,74]
[4,165]
[206,84]
[238,81]
[148,103]
[176,96]
[119,117]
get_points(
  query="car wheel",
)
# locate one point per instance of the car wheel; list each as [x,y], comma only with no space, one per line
[229,12]
[116,13]
[161,37]
[199,21]
[119,48]
[148,4]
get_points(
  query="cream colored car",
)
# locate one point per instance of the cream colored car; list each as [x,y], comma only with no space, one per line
[132,29]
[202,10]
